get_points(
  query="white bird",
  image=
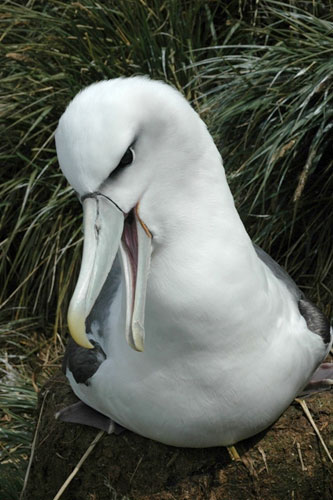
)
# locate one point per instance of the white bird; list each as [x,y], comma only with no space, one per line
[184,331]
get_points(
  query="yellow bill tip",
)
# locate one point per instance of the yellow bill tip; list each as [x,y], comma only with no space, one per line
[138,333]
[77,327]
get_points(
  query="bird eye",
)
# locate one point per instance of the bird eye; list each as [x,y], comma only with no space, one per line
[126,160]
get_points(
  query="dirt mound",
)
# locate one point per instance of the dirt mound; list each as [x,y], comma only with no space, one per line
[285,462]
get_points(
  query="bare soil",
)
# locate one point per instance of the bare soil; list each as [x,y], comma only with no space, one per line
[129,466]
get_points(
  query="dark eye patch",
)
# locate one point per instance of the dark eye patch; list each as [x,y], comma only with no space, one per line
[127,159]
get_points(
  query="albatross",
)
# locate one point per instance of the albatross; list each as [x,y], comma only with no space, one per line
[183,331]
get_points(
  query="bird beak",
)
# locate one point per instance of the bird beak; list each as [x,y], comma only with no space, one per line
[135,254]
[106,233]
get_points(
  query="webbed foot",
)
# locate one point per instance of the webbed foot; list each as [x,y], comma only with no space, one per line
[322,380]
[80,413]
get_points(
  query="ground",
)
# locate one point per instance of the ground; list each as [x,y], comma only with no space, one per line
[129,466]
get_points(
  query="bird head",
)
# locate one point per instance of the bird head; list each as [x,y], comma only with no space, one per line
[123,145]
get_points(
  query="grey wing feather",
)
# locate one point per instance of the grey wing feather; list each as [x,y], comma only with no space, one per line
[279,272]
[315,319]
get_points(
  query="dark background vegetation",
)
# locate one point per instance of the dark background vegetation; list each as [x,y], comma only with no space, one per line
[260,73]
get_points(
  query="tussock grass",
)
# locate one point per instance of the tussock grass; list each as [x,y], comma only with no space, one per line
[260,74]
[272,108]
[17,402]
[51,50]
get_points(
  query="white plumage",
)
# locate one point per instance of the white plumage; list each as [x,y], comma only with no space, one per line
[226,348]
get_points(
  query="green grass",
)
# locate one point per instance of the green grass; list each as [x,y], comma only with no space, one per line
[259,73]
[17,402]
[277,100]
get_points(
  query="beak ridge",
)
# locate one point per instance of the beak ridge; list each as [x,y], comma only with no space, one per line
[103,224]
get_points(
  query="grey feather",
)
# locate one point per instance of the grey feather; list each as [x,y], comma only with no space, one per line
[315,319]
[101,309]
[83,363]
[279,272]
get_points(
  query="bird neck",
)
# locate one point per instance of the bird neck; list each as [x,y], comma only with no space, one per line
[204,263]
